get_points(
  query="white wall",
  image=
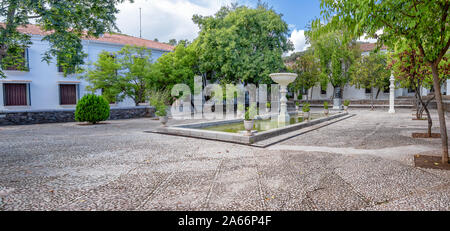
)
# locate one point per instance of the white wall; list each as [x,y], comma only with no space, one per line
[44,85]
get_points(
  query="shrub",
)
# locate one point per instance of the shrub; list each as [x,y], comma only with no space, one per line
[325,105]
[300,97]
[268,105]
[306,107]
[250,113]
[159,99]
[346,102]
[297,103]
[92,108]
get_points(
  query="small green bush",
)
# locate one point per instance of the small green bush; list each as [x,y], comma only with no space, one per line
[250,113]
[346,102]
[159,99]
[300,97]
[306,107]
[325,105]
[268,105]
[297,103]
[92,108]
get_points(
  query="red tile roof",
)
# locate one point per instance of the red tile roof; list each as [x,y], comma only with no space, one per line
[108,37]
[365,47]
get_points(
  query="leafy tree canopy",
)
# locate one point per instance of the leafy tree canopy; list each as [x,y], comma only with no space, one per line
[242,44]
[68,21]
[126,73]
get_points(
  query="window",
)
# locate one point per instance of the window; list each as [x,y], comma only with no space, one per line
[368,90]
[16,59]
[68,94]
[15,94]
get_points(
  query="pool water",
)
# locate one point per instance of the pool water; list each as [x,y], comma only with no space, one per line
[259,125]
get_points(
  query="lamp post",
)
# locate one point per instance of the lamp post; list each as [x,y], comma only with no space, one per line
[392,95]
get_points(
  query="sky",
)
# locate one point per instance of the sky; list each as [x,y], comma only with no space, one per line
[168,19]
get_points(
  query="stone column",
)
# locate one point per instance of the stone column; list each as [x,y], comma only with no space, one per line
[284,115]
[392,95]
[337,101]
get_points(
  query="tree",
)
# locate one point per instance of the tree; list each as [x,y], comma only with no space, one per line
[370,72]
[335,56]
[242,44]
[307,68]
[126,73]
[173,42]
[66,23]
[423,23]
[179,66]
[412,72]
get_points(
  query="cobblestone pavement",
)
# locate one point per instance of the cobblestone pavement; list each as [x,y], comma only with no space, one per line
[362,163]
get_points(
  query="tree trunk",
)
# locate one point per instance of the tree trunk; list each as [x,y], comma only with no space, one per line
[442,123]
[425,107]
[371,99]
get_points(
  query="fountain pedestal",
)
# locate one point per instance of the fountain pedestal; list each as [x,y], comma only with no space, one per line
[284,79]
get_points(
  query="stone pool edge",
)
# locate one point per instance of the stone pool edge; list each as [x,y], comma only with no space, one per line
[192,130]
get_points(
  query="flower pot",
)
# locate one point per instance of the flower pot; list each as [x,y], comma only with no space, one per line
[346,108]
[267,110]
[325,112]
[306,115]
[296,108]
[163,120]
[248,125]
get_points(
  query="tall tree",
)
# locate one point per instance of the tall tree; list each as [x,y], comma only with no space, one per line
[65,21]
[371,71]
[335,55]
[175,67]
[242,44]
[126,73]
[426,24]
[412,72]
[307,68]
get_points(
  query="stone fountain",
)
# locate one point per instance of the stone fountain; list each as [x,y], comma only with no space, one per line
[284,79]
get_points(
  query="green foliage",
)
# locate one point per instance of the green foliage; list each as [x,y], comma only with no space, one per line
[370,72]
[346,102]
[300,97]
[251,112]
[306,107]
[268,105]
[15,59]
[92,108]
[179,66]
[68,21]
[325,105]
[307,68]
[335,55]
[126,73]
[242,44]
[410,69]
[160,99]
[297,103]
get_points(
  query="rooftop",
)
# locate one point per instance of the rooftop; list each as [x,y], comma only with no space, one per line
[108,37]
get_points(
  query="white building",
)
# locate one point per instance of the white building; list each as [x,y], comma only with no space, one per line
[44,87]
[353,93]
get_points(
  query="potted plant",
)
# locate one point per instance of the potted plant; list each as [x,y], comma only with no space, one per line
[161,112]
[325,107]
[268,105]
[346,103]
[306,111]
[297,105]
[248,120]
[159,100]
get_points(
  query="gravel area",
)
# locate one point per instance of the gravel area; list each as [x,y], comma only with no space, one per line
[361,163]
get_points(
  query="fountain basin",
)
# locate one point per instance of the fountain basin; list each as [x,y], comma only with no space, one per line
[203,130]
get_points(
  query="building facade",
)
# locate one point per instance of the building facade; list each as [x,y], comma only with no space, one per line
[353,93]
[44,86]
